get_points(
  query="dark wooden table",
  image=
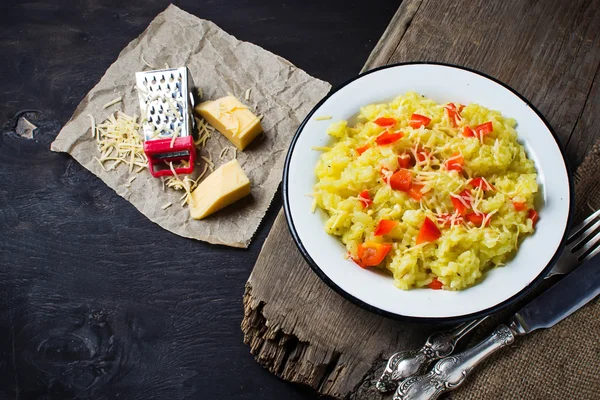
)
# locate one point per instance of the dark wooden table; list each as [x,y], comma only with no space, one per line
[95,300]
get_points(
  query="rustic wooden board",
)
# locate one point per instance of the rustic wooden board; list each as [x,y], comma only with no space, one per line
[549,51]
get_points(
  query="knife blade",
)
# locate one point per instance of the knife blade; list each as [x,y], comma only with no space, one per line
[561,300]
[549,308]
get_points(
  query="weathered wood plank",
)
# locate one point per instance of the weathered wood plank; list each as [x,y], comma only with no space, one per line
[547,50]
[585,132]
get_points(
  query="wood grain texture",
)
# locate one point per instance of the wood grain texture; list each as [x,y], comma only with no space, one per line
[586,131]
[96,302]
[549,51]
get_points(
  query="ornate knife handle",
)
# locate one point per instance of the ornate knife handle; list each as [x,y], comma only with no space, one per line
[415,362]
[450,372]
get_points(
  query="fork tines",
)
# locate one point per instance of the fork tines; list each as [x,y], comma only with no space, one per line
[584,238]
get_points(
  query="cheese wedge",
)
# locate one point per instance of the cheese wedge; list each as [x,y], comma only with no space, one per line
[233,119]
[226,185]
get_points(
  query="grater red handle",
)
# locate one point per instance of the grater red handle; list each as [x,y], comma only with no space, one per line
[160,153]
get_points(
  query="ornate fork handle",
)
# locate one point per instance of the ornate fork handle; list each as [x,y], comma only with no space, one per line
[404,364]
[451,372]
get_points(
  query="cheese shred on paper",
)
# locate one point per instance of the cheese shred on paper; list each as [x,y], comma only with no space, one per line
[282,95]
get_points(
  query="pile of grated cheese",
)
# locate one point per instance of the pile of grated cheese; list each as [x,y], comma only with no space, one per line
[119,142]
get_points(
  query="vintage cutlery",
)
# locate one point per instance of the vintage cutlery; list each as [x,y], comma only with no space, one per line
[555,304]
[580,246]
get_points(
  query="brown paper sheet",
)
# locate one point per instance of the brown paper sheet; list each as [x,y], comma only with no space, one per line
[219,64]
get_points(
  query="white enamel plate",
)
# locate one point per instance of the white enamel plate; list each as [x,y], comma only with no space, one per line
[376,291]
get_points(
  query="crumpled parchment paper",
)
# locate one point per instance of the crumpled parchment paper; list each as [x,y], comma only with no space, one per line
[219,64]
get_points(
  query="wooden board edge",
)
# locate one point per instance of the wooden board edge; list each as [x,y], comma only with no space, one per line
[285,356]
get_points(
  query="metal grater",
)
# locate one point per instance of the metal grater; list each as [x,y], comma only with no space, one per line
[166,104]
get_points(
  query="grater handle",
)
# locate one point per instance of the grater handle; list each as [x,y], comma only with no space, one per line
[152,148]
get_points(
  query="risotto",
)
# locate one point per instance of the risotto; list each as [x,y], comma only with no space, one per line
[435,194]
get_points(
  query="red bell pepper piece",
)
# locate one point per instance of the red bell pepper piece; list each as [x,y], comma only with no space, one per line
[453,113]
[459,205]
[429,232]
[468,132]
[418,120]
[466,195]
[401,180]
[388,138]
[365,198]
[483,129]
[435,284]
[385,226]
[405,160]
[519,205]
[422,154]
[371,254]
[533,216]
[362,149]
[455,162]
[444,219]
[385,122]
[481,183]
[415,192]
[477,219]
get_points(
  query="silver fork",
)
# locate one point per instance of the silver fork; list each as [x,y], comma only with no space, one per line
[580,246]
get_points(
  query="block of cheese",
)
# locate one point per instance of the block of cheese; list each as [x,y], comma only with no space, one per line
[233,119]
[226,185]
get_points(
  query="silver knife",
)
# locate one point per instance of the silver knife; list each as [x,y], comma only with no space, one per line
[545,311]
